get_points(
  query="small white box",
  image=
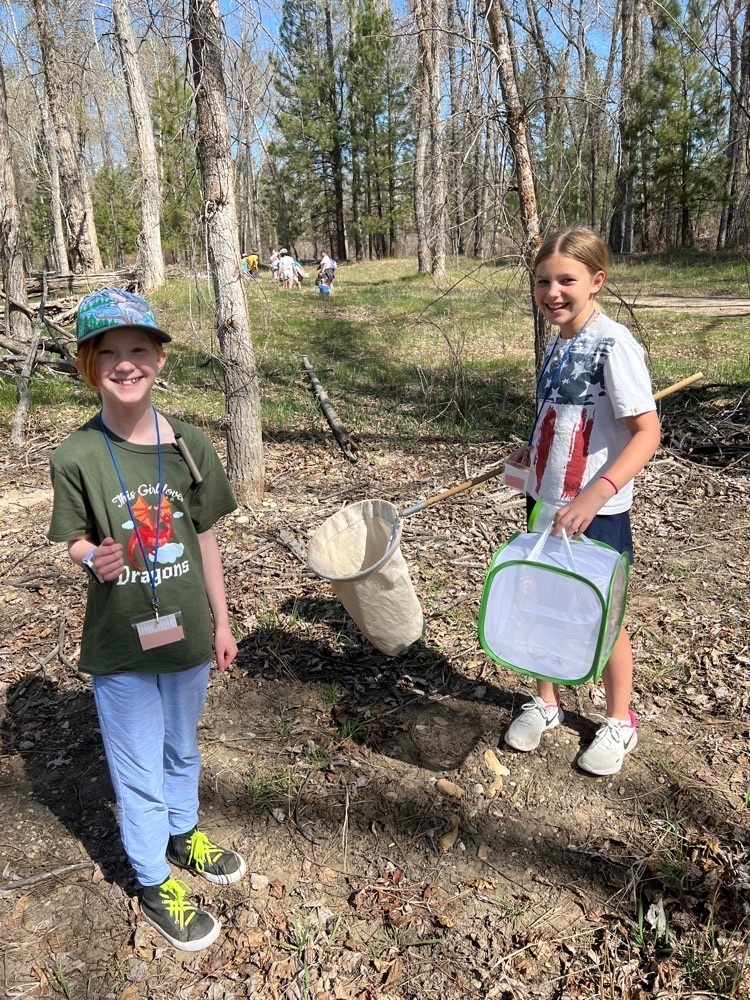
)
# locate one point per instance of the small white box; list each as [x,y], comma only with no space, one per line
[516,476]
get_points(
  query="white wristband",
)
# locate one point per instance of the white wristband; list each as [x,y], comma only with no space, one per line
[88,563]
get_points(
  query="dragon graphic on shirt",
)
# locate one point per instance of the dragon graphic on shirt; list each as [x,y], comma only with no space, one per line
[146,530]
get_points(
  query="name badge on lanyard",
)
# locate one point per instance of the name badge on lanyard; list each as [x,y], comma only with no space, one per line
[159,631]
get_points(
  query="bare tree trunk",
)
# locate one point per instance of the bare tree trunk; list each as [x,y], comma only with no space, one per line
[253,200]
[245,464]
[428,16]
[600,179]
[737,140]
[83,243]
[151,257]
[519,141]
[17,326]
[337,157]
[420,170]
[60,248]
[456,88]
[621,226]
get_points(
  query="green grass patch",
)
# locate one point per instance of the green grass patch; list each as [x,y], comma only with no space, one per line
[405,358]
[267,788]
[683,273]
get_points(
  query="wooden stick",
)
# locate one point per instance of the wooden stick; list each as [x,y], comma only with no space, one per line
[343,438]
[23,883]
[683,384]
[496,470]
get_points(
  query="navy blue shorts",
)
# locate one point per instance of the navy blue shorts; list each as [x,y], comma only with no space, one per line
[612,529]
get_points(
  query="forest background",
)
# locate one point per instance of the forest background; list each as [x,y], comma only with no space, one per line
[451,136]
[372,130]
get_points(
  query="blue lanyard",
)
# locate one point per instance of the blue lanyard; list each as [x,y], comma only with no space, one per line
[151,570]
[553,379]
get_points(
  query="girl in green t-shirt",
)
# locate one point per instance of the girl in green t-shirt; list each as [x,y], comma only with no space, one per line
[140,522]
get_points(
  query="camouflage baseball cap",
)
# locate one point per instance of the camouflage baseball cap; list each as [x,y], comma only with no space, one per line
[116,309]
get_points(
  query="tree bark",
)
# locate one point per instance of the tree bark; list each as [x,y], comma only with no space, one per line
[621,226]
[151,257]
[82,239]
[17,324]
[737,132]
[428,16]
[457,91]
[420,171]
[60,247]
[245,464]
[337,157]
[517,120]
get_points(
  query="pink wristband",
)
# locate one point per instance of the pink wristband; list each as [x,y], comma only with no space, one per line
[608,480]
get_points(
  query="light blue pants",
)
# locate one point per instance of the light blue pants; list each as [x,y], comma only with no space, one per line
[149,726]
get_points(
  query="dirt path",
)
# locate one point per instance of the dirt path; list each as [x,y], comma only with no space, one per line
[705,305]
[321,758]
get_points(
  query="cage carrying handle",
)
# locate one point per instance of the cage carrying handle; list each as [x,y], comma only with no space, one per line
[533,556]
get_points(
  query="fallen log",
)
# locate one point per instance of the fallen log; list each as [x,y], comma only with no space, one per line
[343,438]
[53,364]
[50,324]
[58,282]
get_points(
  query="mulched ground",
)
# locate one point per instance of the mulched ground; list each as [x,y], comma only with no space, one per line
[322,759]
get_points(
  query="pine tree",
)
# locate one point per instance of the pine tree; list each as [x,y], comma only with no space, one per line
[376,78]
[310,123]
[676,132]
[173,120]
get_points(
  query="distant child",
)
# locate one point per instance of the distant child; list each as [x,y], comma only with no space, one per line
[274,260]
[326,272]
[299,274]
[286,269]
[250,265]
[595,428]
[140,523]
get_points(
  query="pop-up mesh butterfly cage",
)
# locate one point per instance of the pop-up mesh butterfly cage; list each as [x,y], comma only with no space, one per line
[551,608]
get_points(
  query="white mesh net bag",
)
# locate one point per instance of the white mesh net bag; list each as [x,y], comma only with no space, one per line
[552,609]
[358,550]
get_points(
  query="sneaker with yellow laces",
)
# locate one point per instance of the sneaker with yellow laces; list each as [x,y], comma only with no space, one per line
[180,921]
[194,851]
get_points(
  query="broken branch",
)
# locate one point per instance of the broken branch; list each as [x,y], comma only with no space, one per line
[343,438]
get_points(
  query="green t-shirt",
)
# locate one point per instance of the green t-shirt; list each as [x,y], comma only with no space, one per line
[88,499]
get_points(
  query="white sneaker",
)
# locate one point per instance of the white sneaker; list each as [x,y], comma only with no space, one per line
[535,718]
[608,748]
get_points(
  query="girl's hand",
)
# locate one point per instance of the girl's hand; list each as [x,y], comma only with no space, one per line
[520,456]
[108,559]
[224,646]
[577,515]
